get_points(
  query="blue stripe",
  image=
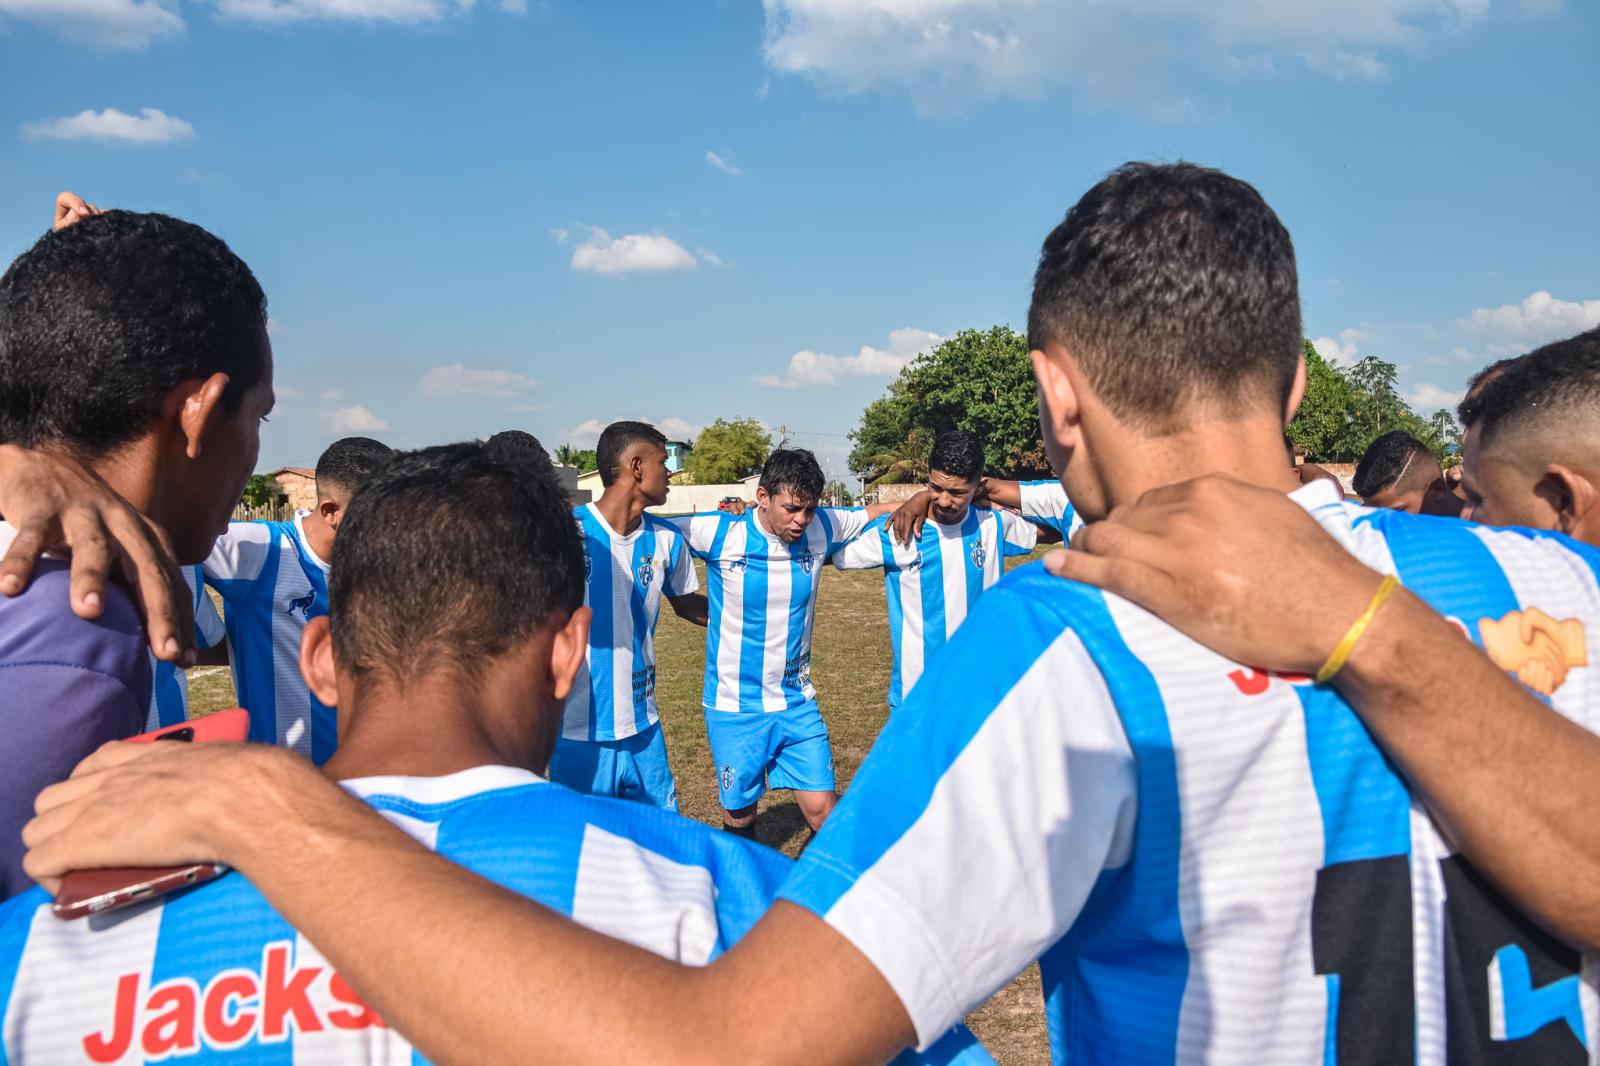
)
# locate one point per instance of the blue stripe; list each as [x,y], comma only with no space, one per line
[897,618]
[752,643]
[976,575]
[602,628]
[167,692]
[714,601]
[802,591]
[16,918]
[643,548]
[324,719]
[930,594]
[247,608]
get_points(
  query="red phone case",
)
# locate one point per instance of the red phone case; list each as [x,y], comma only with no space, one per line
[85,892]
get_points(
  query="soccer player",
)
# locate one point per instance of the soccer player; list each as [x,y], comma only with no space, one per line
[450,715]
[159,397]
[933,582]
[762,570]
[1399,472]
[273,579]
[611,741]
[169,684]
[1534,459]
[1212,863]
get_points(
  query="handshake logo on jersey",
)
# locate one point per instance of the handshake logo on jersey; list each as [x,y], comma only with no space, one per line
[178,1018]
[1539,650]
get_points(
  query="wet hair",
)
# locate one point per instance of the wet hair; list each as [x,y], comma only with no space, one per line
[794,469]
[518,441]
[1171,284]
[615,442]
[455,553]
[100,320]
[348,462]
[957,453]
[1560,381]
[1397,460]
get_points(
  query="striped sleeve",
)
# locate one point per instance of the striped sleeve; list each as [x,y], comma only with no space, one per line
[881,873]
[843,524]
[1017,537]
[240,553]
[681,578]
[208,629]
[864,552]
[699,530]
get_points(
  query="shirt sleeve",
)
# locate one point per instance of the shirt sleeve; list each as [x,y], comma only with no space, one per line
[681,578]
[1017,536]
[844,524]
[865,552]
[968,775]
[699,530]
[238,555]
[208,628]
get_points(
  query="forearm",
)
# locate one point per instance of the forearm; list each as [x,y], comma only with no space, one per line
[692,608]
[216,655]
[1512,781]
[1003,493]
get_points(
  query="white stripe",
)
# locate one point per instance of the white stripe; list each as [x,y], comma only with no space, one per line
[953,565]
[1428,935]
[634,894]
[780,572]
[622,635]
[911,626]
[731,631]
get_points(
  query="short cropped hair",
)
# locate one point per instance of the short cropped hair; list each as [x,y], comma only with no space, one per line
[1170,284]
[100,320]
[794,469]
[455,553]
[1560,381]
[348,462]
[958,454]
[617,438]
[518,441]
[1395,459]
[1470,408]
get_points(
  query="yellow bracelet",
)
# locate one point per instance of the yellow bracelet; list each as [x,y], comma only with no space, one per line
[1341,654]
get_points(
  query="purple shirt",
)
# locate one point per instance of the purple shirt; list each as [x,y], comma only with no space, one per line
[66,687]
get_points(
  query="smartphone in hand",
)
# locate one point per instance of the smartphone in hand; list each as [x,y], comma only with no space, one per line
[85,892]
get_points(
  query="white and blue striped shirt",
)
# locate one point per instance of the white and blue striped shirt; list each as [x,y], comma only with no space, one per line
[169,686]
[272,584]
[1212,863]
[614,696]
[218,970]
[931,585]
[762,595]
[1045,503]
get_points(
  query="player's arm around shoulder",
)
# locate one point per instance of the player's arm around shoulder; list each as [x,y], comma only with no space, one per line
[864,551]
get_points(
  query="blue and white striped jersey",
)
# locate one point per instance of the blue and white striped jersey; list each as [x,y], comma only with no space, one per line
[1045,503]
[762,595]
[931,585]
[217,970]
[1212,863]
[272,584]
[169,686]
[625,577]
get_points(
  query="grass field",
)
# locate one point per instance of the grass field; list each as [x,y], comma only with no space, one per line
[850,668]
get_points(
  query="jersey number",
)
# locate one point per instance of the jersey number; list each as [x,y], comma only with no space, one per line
[1511,989]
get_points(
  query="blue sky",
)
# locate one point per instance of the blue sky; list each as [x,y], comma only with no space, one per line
[476,216]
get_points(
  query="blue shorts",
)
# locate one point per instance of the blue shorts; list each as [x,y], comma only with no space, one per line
[754,751]
[631,769]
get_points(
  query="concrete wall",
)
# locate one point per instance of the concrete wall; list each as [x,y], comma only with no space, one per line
[686,499]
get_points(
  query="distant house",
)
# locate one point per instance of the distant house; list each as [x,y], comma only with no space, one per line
[677,454]
[590,483]
[297,486]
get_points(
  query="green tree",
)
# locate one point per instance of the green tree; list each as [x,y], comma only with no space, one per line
[261,491]
[728,451]
[838,494]
[980,381]
[1323,424]
[581,458]
[1378,407]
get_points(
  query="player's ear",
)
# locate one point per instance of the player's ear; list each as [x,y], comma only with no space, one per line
[1297,390]
[567,651]
[316,661]
[197,402]
[1572,495]
[1059,402]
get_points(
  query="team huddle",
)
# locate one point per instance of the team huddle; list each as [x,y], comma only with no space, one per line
[456,834]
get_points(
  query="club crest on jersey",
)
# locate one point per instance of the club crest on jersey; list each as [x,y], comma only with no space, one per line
[1537,649]
[647,570]
[979,554]
[303,605]
[726,778]
[806,558]
[269,1005]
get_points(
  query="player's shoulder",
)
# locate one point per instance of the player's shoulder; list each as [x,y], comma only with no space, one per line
[660,526]
[1426,546]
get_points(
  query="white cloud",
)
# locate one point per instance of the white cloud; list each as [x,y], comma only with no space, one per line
[947,53]
[560,234]
[331,395]
[712,259]
[1515,328]
[514,7]
[285,392]
[1426,398]
[722,164]
[632,253]
[355,419]
[586,433]
[149,126]
[455,380]
[101,23]
[280,12]
[819,368]
[1341,351]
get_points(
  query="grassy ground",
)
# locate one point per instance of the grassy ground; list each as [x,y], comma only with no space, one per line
[850,668]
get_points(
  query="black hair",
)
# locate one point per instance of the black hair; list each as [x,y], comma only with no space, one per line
[349,461]
[794,469]
[455,553]
[100,320]
[1394,454]
[957,453]
[520,442]
[616,440]
[1170,284]
[1470,408]
[1560,380]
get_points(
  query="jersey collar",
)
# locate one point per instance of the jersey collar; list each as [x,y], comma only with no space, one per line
[444,789]
[300,534]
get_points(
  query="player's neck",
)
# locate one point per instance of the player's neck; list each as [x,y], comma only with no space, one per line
[133,472]
[1251,451]
[319,535]
[621,507]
